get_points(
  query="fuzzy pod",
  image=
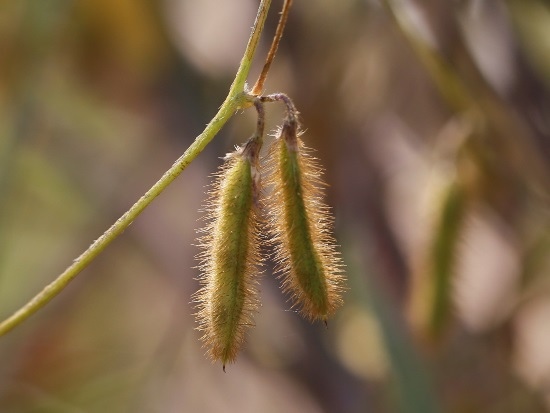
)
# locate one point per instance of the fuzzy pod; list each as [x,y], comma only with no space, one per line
[301,224]
[431,300]
[230,255]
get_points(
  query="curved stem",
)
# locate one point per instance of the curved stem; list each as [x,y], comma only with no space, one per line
[235,99]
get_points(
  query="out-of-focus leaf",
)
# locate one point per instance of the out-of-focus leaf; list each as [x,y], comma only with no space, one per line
[411,379]
[532,20]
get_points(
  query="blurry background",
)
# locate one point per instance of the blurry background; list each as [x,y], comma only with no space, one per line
[431,120]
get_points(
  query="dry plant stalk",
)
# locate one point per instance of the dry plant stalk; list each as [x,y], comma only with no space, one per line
[230,254]
[301,224]
[259,85]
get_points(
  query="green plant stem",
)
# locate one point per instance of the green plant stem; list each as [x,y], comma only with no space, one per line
[236,99]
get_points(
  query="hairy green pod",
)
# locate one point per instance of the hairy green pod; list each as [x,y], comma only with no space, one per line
[230,257]
[301,228]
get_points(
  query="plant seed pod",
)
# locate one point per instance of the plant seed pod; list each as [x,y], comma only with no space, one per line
[300,224]
[230,257]
[430,305]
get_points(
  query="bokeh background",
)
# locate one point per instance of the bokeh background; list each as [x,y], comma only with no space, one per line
[431,119]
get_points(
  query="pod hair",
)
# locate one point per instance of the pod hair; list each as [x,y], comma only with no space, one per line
[230,258]
[301,224]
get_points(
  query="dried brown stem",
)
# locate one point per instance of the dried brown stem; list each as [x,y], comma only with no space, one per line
[258,87]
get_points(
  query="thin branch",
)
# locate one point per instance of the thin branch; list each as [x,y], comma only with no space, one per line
[258,87]
[465,89]
[281,97]
[235,99]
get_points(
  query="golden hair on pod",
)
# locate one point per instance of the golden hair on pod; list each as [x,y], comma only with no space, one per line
[301,226]
[230,254]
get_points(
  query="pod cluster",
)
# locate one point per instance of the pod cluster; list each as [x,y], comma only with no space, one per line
[299,227]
